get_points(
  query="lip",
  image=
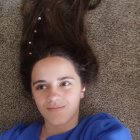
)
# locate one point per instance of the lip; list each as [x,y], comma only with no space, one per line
[56,108]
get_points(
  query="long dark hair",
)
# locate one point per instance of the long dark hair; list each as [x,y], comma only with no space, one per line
[56,28]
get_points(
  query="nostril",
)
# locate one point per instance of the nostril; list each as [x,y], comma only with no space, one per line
[54,99]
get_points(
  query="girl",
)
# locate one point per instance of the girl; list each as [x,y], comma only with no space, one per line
[57,65]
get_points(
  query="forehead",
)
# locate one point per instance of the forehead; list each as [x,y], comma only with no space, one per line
[53,66]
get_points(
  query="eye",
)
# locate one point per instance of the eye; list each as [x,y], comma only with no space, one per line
[65,83]
[41,87]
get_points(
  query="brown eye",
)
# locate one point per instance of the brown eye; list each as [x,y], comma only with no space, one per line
[65,83]
[41,87]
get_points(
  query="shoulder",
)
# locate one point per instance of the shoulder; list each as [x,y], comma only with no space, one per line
[13,132]
[104,126]
[17,130]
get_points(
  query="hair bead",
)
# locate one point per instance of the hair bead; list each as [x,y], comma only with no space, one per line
[39,18]
[30,42]
[30,53]
[35,31]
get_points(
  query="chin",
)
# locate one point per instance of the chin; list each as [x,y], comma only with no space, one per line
[57,122]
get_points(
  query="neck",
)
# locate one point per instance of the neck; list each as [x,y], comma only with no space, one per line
[50,129]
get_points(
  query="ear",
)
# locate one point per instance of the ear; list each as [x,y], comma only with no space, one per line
[83,91]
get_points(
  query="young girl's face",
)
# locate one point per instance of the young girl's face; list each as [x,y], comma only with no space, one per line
[56,89]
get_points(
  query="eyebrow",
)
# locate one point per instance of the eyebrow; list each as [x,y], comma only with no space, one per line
[59,79]
[39,81]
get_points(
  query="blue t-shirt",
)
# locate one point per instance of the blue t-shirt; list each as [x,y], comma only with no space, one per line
[101,126]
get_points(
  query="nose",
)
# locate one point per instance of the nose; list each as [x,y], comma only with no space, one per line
[54,96]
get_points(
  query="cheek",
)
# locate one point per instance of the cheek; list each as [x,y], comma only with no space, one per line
[73,96]
[39,101]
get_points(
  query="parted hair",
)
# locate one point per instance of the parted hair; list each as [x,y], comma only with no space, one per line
[56,28]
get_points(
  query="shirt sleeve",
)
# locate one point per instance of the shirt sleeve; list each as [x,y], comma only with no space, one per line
[114,130]
[12,133]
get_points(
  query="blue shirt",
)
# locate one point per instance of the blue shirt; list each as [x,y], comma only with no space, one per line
[101,126]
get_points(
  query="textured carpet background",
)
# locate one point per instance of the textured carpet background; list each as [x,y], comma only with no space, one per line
[114,33]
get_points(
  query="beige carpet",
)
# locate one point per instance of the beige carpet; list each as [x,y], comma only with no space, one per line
[114,33]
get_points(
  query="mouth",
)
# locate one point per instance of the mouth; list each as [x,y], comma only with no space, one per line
[56,108]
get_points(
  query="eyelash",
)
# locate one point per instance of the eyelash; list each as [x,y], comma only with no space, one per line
[44,86]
